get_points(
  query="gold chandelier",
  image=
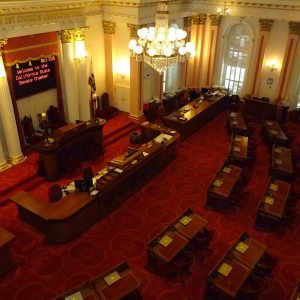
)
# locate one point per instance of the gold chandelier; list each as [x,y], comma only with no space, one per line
[161,46]
[224,11]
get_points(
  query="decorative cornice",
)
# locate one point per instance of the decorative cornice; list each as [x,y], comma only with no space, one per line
[294,28]
[199,19]
[265,24]
[109,27]
[66,36]
[79,33]
[3,42]
[215,20]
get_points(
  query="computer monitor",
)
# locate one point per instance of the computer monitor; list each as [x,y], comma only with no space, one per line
[83,184]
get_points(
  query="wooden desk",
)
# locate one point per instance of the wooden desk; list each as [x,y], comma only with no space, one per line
[231,284]
[65,138]
[269,215]
[237,124]
[282,164]
[99,289]
[253,253]
[166,254]
[242,265]
[193,115]
[6,261]
[296,292]
[191,229]
[238,153]
[65,219]
[274,133]
[222,185]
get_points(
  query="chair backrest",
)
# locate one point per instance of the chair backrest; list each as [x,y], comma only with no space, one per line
[55,193]
[105,100]
[53,117]
[87,173]
[28,128]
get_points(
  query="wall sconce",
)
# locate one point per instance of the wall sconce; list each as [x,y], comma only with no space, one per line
[122,69]
[272,65]
[80,51]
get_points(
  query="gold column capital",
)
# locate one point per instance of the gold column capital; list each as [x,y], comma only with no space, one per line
[133,28]
[199,19]
[215,20]
[109,27]
[265,24]
[79,33]
[66,36]
[188,21]
[294,28]
[3,42]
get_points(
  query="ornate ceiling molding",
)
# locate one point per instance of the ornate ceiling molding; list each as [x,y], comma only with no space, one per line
[294,28]
[215,20]
[265,24]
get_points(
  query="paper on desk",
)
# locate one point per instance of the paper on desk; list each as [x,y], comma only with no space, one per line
[112,278]
[226,170]
[269,200]
[218,182]
[237,139]
[236,149]
[274,187]
[185,220]
[278,161]
[75,296]
[277,150]
[225,269]
[241,247]
[118,170]
[166,241]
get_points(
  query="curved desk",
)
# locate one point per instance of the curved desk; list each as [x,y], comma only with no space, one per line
[65,138]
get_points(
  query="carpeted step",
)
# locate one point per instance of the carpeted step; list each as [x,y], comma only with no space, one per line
[120,133]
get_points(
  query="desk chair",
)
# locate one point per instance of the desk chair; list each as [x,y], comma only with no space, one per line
[54,193]
[31,135]
[266,265]
[201,241]
[87,173]
[252,287]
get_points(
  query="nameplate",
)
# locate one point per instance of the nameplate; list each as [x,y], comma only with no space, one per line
[241,247]
[226,170]
[185,220]
[112,278]
[274,187]
[75,296]
[94,192]
[269,200]
[225,269]
[166,241]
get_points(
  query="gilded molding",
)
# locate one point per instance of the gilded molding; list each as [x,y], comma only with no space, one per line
[294,28]
[3,42]
[79,33]
[265,24]
[188,21]
[199,19]
[133,28]
[109,27]
[215,20]
[66,36]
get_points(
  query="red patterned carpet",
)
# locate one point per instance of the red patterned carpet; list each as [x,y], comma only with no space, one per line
[44,270]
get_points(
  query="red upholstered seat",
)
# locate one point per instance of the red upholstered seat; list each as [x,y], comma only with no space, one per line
[106,111]
[55,193]
[31,135]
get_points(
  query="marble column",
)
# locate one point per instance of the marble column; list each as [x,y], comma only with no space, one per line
[82,76]
[214,27]
[136,82]
[200,22]
[158,86]
[265,28]
[66,37]
[3,163]
[288,60]
[9,124]
[109,36]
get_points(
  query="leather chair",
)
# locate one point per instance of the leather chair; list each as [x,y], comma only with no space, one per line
[266,265]
[200,243]
[55,193]
[54,118]
[87,173]
[31,135]
[106,111]
[252,287]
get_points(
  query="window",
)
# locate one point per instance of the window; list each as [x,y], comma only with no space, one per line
[236,57]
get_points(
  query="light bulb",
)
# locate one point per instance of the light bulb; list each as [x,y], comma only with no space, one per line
[168,52]
[132,44]
[151,52]
[182,50]
[160,37]
[150,36]
[151,30]
[138,49]
[189,46]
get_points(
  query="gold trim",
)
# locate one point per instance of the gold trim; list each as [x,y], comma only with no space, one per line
[66,36]
[29,47]
[109,27]
[265,24]
[4,166]
[18,61]
[188,21]
[137,119]
[3,42]
[199,20]
[215,20]
[16,160]
[294,28]
[79,33]
[133,28]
